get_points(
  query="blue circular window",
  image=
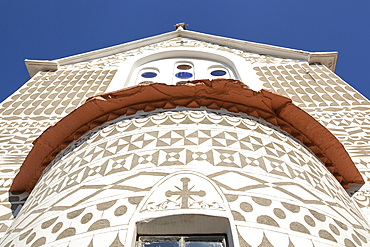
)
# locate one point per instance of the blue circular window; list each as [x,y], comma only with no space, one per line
[149,74]
[184,75]
[218,73]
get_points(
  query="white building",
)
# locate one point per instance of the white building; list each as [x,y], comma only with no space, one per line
[185,139]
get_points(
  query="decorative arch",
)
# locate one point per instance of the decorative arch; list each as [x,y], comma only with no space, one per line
[232,95]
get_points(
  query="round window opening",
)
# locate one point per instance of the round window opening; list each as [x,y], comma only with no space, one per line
[218,72]
[184,66]
[184,75]
[149,74]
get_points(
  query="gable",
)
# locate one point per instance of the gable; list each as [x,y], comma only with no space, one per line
[183,38]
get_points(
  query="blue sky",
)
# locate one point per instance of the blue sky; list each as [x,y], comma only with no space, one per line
[45,29]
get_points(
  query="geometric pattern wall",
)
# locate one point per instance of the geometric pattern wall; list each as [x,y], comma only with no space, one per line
[49,96]
[38,104]
[332,102]
[275,188]
[56,93]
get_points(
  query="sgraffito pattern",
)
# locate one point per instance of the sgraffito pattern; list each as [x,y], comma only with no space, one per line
[232,154]
[40,103]
[332,102]
[56,93]
[271,182]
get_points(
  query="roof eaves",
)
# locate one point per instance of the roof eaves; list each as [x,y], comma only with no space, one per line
[34,66]
[117,48]
[248,46]
[329,59]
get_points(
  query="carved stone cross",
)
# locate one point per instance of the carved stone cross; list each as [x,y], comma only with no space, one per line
[185,193]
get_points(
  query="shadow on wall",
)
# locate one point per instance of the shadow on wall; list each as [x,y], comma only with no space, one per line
[17,200]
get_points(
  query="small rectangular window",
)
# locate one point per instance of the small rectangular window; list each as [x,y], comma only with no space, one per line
[181,241]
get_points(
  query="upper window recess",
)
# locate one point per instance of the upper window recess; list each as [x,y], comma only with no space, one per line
[181,70]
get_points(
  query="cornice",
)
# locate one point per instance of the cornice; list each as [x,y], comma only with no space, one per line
[34,66]
[329,59]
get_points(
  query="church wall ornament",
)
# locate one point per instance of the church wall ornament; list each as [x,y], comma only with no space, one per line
[99,181]
[273,108]
[272,188]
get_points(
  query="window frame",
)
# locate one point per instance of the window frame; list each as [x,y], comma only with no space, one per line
[182,239]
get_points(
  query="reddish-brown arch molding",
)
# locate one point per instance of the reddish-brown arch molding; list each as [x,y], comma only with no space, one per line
[232,95]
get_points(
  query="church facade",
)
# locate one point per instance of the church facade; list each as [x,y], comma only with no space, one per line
[185,139]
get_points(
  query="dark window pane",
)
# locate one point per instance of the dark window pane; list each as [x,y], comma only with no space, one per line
[203,244]
[184,75]
[149,74]
[161,244]
[184,67]
[218,73]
